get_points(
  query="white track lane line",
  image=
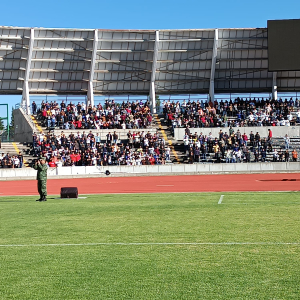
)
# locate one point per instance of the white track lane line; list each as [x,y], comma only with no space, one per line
[221,199]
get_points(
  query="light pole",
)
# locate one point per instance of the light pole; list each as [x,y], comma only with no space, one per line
[7,120]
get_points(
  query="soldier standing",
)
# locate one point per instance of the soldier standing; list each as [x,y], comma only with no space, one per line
[41,167]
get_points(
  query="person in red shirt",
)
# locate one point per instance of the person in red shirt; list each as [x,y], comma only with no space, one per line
[149,119]
[170,118]
[52,163]
[44,114]
[270,135]
[245,138]
[78,158]
[78,124]
[73,157]
[152,160]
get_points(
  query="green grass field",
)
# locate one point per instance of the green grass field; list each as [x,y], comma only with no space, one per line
[151,246]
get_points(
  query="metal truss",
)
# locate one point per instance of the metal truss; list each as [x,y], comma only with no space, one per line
[139,62]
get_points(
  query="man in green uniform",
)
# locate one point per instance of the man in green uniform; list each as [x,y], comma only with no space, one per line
[41,167]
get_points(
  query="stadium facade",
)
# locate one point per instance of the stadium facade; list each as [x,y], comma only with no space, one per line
[51,61]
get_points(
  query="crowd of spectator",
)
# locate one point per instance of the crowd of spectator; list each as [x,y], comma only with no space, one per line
[8,161]
[86,149]
[233,147]
[112,115]
[237,113]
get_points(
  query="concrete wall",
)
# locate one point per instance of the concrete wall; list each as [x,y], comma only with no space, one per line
[24,127]
[170,169]
[278,131]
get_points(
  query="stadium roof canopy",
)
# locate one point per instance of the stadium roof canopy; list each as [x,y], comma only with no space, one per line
[144,62]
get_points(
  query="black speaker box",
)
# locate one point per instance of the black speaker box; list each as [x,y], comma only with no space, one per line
[69,192]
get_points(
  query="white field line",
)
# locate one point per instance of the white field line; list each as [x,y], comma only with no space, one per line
[257,202]
[221,199]
[159,244]
[144,193]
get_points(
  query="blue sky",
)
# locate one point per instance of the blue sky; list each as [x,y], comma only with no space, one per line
[133,14]
[154,14]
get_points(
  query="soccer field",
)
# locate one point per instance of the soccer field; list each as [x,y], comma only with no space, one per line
[151,246]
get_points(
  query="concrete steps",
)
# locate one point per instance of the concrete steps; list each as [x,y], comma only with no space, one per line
[163,129]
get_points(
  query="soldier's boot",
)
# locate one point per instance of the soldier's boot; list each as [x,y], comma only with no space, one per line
[43,198]
[39,199]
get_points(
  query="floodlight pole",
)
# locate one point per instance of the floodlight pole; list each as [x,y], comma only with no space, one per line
[274,86]
[25,94]
[213,67]
[90,94]
[154,64]
[7,120]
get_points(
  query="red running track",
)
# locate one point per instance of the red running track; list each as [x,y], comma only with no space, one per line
[160,184]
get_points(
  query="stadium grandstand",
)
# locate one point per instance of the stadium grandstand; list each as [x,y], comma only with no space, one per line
[147,97]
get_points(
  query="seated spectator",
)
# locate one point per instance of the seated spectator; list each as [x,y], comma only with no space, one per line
[230,149]
[236,113]
[83,149]
[135,114]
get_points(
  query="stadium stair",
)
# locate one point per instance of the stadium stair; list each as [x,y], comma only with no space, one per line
[167,134]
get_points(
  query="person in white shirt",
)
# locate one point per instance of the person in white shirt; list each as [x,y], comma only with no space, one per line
[298,116]
[168,150]
[97,139]
[16,161]
[239,156]
[286,142]
[59,163]
[210,136]
[228,156]
[146,142]
[41,137]
[94,160]
[186,142]
[151,150]
[133,162]
[251,117]
[83,106]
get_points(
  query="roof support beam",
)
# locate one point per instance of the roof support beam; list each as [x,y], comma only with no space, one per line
[213,67]
[90,93]
[25,95]
[274,86]
[154,64]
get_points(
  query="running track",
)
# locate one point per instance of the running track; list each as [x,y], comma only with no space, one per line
[160,184]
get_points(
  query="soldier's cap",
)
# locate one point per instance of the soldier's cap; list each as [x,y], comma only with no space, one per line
[42,158]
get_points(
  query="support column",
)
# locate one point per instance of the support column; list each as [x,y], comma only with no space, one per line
[213,67]
[25,95]
[154,64]
[90,93]
[274,86]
